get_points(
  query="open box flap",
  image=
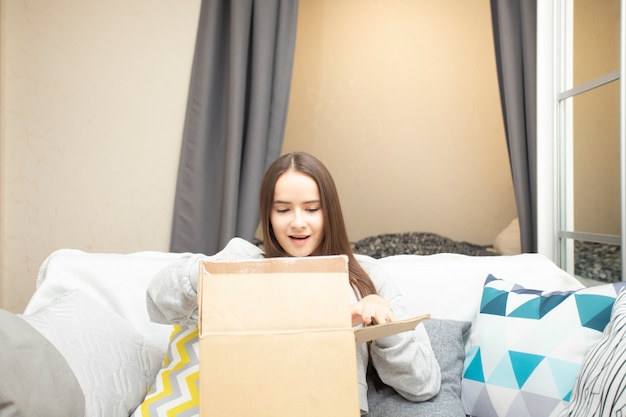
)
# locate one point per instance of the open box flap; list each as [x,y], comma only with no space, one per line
[367,333]
[275,295]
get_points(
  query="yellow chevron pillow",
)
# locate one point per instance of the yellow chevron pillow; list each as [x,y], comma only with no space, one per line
[175,391]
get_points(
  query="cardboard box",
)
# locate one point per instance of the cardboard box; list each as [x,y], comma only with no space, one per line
[276,338]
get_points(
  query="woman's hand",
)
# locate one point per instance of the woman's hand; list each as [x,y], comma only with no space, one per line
[373,307]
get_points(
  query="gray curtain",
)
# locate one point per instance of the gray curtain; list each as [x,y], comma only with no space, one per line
[514,32]
[235,119]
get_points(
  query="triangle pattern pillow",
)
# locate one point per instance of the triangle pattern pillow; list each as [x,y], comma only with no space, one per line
[526,347]
[175,391]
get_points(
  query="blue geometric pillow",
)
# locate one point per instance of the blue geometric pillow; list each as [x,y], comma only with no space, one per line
[527,345]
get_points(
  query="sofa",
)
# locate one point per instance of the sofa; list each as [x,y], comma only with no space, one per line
[513,336]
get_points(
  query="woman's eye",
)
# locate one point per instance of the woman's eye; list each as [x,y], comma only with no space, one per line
[283,210]
[313,209]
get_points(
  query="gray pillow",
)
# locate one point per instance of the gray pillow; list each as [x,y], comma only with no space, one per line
[36,379]
[447,338]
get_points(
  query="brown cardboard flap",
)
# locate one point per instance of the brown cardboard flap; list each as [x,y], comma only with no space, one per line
[275,295]
[367,333]
[274,302]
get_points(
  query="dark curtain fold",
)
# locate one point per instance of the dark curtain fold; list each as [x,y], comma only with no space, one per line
[235,120]
[515,37]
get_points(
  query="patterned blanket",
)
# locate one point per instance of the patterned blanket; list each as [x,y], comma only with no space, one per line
[417,243]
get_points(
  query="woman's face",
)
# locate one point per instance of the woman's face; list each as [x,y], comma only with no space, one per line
[296,215]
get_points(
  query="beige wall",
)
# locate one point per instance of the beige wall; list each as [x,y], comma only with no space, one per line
[92,101]
[400,99]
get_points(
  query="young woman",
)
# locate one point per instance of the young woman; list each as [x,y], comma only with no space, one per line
[301,216]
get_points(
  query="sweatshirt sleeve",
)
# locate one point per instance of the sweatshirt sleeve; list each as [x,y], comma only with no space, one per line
[404,361]
[172,296]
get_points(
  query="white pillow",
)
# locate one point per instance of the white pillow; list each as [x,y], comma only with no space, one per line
[450,286]
[113,363]
[118,281]
[508,241]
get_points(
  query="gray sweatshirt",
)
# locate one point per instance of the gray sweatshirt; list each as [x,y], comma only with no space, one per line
[404,361]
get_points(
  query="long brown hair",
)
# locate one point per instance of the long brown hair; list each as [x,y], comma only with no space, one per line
[335,241]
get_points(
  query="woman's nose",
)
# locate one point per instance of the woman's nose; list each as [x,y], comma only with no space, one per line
[298,222]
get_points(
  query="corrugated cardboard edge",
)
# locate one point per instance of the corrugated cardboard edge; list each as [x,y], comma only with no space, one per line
[335,263]
[367,333]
